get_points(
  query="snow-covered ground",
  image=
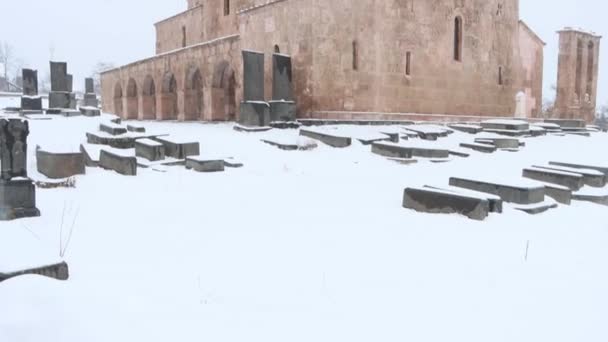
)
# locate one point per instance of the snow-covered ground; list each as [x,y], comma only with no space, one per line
[302,246]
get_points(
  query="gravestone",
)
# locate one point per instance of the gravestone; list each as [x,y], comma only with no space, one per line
[90,98]
[61,96]
[89,86]
[30,101]
[17,192]
[282,106]
[254,110]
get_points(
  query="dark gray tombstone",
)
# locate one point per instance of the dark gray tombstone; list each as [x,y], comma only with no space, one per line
[17,192]
[253,76]
[69,81]
[89,86]
[59,72]
[282,88]
[30,82]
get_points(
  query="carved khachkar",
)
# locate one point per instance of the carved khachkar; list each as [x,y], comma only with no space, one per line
[13,148]
[17,192]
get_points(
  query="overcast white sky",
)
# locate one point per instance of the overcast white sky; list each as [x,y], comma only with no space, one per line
[84,32]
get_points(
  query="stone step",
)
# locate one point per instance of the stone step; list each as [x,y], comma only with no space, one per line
[327,138]
[571,180]
[445,202]
[479,147]
[123,164]
[520,193]
[201,164]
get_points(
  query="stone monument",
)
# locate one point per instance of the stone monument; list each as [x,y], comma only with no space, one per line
[254,110]
[90,98]
[61,96]
[282,106]
[30,101]
[17,192]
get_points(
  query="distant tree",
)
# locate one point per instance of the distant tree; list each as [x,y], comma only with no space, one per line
[6,58]
[97,70]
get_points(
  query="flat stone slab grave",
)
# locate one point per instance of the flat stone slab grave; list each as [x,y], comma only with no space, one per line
[149,149]
[123,164]
[592,178]
[136,128]
[399,151]
[466,128]
[505,125]
[479,147]
[202,164]
[445,202]
[179,148]
[571,180]
[603,169]
[112,128]
[59,165]
[500,142]
[512,193]
[496,203]
[251,129]
[327,138]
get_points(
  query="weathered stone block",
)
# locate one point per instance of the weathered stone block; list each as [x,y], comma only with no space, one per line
[30,82]
[391,150]
[136,128]
[200,164]
[90,100]
[507,125]
[254,114]
[17,199]
[437,201]
[179,149]
[31,103]
[59,99]
[282,111]
[326,138]
[592,178]
[568,123]
[112,128]
[59,81]
[149,149]
[125,165]
[603,169]
[479,147]
[570,180]
[471,129]
[89,86]
[90,111]
[499,142]
[59,165]
[521,194]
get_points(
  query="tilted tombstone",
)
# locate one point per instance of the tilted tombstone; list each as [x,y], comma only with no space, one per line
[30,101]
[254,110]
[17,192]
[89,86]
[282,88]
[30,82]
[69,81]
[253,76]
[59,73]
[282,106]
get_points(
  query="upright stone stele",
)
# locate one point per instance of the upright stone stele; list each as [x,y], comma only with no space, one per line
[61,96]
[90,98]
[30,101]
[282,106]
[254,109]
[17,192]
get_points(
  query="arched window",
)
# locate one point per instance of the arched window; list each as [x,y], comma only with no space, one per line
[458,39]
[408,63]
[183,36]
[590,68]
[277,49]
[355,55]
[226,7]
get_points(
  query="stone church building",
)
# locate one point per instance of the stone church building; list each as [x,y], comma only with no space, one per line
[363,59]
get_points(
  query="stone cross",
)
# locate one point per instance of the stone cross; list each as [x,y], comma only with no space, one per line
[13,148]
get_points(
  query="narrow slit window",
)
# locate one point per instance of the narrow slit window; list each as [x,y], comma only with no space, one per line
[184,36]
[277,49]
[355,55]
[408,64]
[500,80]
[458,39]
[226,7]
